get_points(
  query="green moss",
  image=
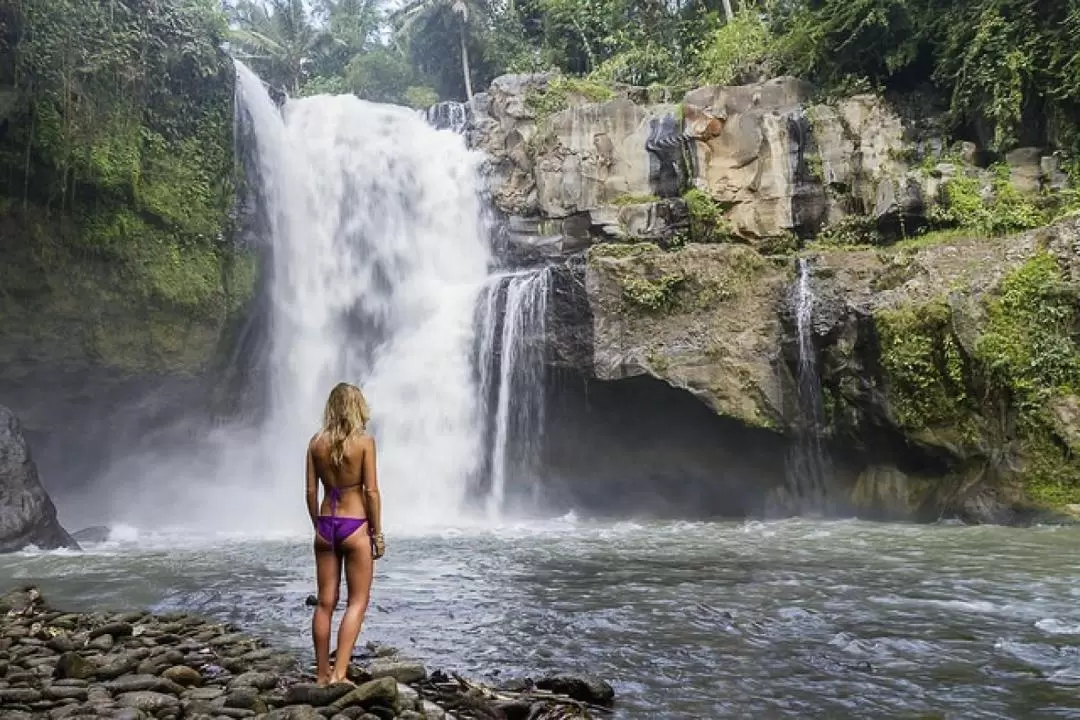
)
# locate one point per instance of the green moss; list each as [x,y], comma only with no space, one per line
[627,199]
[851,232]
[651,294]
[924,366]
[707,223]
[965,204]
[621,250]
[559,92]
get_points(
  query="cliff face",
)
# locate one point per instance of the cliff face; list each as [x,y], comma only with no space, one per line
[119,272]
[947,360]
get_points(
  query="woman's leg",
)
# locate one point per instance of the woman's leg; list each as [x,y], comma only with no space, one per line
[359,568]
[328,577]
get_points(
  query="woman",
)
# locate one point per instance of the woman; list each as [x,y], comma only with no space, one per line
[347,526]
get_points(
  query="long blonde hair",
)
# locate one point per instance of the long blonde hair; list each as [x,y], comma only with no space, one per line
[346,413]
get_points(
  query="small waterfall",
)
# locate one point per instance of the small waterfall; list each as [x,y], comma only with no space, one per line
[510,363]
[449,115]
[808,466]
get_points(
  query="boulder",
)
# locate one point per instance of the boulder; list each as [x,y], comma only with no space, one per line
[27,513]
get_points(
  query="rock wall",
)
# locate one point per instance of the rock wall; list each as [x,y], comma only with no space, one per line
[27,514]
[678,224]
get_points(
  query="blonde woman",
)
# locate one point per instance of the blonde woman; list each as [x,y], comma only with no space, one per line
[342,456]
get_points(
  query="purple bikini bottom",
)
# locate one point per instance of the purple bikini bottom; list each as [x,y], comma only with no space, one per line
[335,530]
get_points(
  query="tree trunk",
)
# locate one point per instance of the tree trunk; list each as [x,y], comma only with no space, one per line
[465,62]
[727,11]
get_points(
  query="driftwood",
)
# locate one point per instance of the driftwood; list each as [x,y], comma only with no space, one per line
[469,699]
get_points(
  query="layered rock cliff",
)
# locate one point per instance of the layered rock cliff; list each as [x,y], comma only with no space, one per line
[944,342]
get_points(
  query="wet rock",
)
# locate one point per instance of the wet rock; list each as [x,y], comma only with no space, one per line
[102,642]
[20,695]
[432,711]
[383,691]
[116,629]
[515,709]
[133,683]
[61,643]
[255,679]
[402,671]
[73,665]
[294,712]
[246,698]
[410,715]
[65,692]
[311,694]
[585,688]
[182,675]
[148,701]
[408,697]
[27,514]
[94,534]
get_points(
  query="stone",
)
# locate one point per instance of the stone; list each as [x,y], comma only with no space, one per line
[246,698]
[182,675]
[585,688]
[117,665]
[95,534]
[382,691]
[314,695]
[410,715]
[431,711]
[514,709]
[402,671]
[20,695]
[148,701]
[294,712]
[408,697]
[116,629]
[132,683]
[65,692]
[27,513]
[102,642]
[73,665]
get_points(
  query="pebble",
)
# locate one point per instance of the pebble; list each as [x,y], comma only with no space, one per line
[138,666]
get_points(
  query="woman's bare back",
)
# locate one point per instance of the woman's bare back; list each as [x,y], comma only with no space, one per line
[349,478]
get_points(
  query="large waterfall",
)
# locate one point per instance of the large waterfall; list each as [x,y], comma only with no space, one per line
[378,258]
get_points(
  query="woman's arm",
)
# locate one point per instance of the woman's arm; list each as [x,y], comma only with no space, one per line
[372,500]
[312,489]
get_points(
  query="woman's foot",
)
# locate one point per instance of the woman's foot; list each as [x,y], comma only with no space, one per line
[342,681]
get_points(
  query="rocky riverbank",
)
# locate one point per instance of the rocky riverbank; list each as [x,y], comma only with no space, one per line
[136,665]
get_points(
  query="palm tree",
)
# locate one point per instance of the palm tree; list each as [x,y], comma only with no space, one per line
[279,37]
[465,10]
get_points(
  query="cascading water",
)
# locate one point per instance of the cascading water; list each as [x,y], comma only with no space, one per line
[378,256]
[808,466]
[510,360]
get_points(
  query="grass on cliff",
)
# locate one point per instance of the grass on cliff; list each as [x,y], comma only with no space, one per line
[560,90]
[1024,357]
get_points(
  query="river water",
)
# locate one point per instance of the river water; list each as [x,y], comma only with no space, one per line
[717,620]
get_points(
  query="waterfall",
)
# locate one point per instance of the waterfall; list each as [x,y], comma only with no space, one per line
[808,466]
[510,361]
[449,115]
[378,258]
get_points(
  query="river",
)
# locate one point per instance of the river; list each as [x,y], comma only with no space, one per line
[714,620]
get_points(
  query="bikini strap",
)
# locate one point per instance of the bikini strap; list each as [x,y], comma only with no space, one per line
[335,495]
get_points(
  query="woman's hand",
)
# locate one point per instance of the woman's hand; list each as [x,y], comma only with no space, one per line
[378,546]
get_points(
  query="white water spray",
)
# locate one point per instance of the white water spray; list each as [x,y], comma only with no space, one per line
[511,360]
[378,258]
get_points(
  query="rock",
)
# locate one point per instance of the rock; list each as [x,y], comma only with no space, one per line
[410,715]
[515,709]
[312,694]
[65,692]
[20,695]
[73,665]
[402,671]
[148,701]
[246,698]
[294,712]
[431,711]
[585,688]
[116,629]
[376,692]
[408,697]
[117,665]
[183,675]
[133,683]
[27,514]
[95,534]
[102,642]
